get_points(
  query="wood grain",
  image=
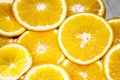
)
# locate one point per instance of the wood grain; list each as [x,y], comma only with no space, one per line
[112,8]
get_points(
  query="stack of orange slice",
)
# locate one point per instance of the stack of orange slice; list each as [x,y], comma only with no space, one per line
[58,40]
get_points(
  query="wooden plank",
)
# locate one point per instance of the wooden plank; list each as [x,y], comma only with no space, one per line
[112,8]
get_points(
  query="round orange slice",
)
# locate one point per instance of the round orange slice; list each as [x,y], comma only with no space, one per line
[85,38]
[40,15]
[15,60]
[8,25]
[43,46]
[89,6]
[112,63]
[93,71]
[115,24]
[47,72]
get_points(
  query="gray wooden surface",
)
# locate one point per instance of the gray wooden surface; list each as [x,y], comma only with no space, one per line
[112,8]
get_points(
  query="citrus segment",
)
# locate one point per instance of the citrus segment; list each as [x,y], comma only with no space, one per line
[40,15]
[112,63]
[93,71]
[47,72]
[43,46]
[115,24]
[8,25]
[81,38]
[90,6]
[5,40]
[14,61]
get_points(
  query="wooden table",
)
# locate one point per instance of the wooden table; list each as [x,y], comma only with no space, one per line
[112,8]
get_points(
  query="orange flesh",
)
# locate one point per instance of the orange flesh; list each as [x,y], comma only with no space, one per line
[46,74]
[95,44]
[43,46]
[77,6]
[115,25]
[87,72]
[49,14]
[7,20]
[114,64]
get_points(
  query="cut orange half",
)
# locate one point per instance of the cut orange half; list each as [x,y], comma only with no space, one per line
[89,6]
[47,72]
[85,38]
[43,46]
[93,71]
[112,63]
[5,40]
[8,25]
[115,24]
[40,15]
[15,60]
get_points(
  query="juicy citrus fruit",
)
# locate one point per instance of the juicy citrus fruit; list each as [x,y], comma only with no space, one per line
[93,71]
[8,25]
[47,72]
[90,6]
[85,38]
[43,46]
[14,61]
[5,40]
[112,63]
[115,24]
[40,15]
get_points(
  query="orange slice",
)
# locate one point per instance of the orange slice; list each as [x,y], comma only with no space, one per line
[5,40]
[40,15]
[8,25]
[93,71]
[43,46]
[112,63]
[115,24]
[90,6]
[47,72]
[81,38]
[14,61]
